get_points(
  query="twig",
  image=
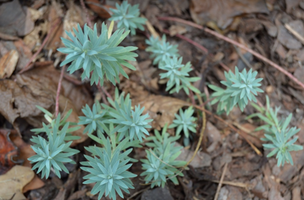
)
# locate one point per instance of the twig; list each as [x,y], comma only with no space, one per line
[266,60]
[58,91]
[295,33]
[190,41]
[86,13]
[28,65]
[202,130]
[221,182]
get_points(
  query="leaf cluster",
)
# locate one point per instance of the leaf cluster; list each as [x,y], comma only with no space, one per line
[128,17]
[277,133]
[161,49]
[178,75]
[100,55]
[240,89]
[127,122]
[54,152]
[161,163]
[184,122]
[107,168]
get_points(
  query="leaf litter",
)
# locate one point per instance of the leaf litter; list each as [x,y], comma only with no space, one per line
[255,24]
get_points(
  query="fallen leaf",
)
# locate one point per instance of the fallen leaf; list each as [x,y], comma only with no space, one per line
[73,16]
[176,29]
[287,39]
[290,4]
[13,182]
[201,159]
[55,12]
[24,150]
[102,11]
[39,87]
[34,184]
[213,135]
[223,11]
[160,108]
[8,64]
[15,20]
[7,151]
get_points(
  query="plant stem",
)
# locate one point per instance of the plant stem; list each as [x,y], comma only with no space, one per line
[58,91]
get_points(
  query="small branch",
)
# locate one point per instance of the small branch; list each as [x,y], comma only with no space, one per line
[58,91]
[28,65]
[221,182]
[266,60]
[189,40]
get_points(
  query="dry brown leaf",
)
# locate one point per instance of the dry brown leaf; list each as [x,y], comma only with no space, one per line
[33,39]
[200,159]
[7,151]
[176,29]
[160,108]
[13,182]
[35,183]
[102,11]
[15,20]
[38,87]
[73,17]
[223,11]
[24,150]
[55,12]
[287,39]
[8,63]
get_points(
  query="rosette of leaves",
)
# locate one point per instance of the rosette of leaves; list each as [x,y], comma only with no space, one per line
[184,122]
[52,154]
[128,17]
[277,133]
[100,55]
[161,163]
[240,89]
[129,122]
[93,119]
[282,144]
[160,49]
[108,170]
[178,75]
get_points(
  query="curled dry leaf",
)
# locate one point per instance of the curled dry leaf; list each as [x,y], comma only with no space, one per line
[13,182]
[8,64]
[7,151]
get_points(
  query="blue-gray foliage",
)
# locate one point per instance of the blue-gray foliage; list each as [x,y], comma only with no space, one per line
[97,54]
[240,89]
[178,75]
[54,152]
[128,17]
[277,134]
[161,49]
[107,168]
[161,163]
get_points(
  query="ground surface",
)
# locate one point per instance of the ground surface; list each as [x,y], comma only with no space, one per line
[274,29]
